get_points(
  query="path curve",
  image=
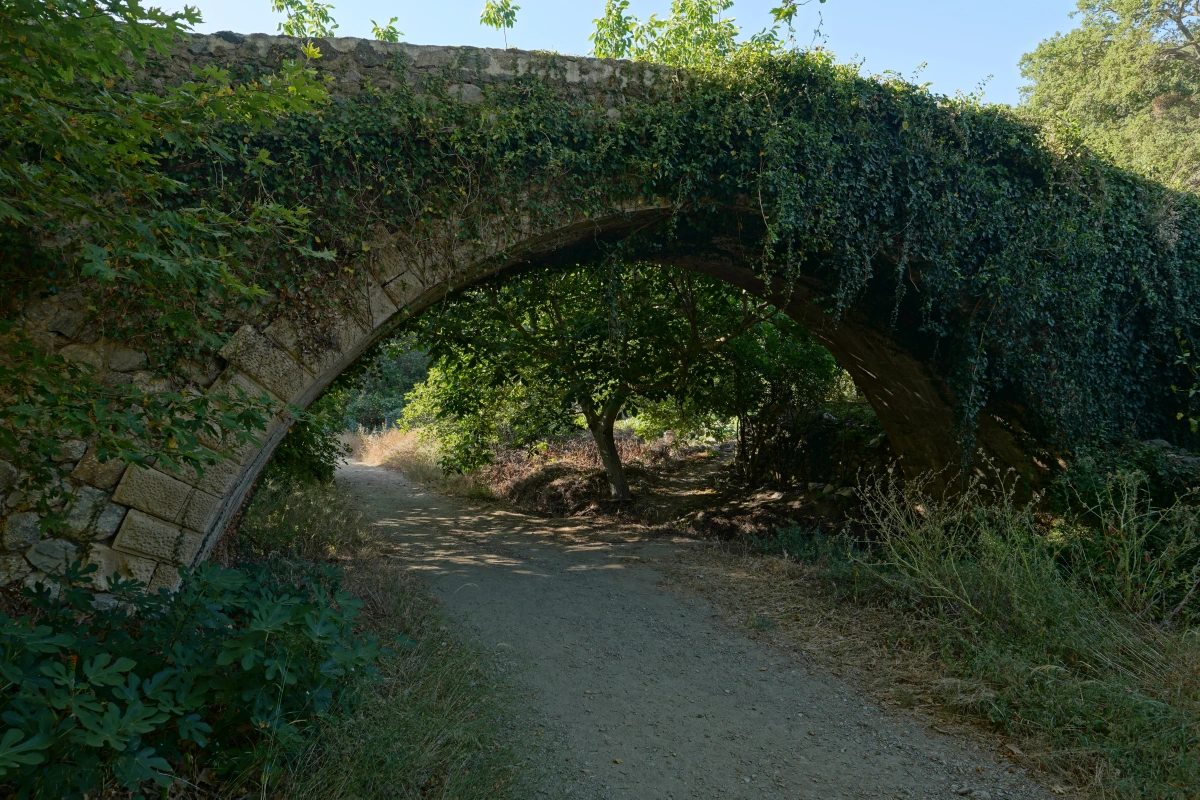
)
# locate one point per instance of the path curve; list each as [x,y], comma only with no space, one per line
[645,693]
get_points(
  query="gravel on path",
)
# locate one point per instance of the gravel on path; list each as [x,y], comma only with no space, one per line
[643,692]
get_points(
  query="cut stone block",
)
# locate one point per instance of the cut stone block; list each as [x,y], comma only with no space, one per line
[72,450]
[166,577]
[52,555]
[125,359]
[89,470]
[150,537]
[13,567]
[21,530]
[8,475]
[199,510]
[112,562]
[267,363]
[153,492]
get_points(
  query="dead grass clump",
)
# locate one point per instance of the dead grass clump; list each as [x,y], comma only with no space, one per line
[300,519]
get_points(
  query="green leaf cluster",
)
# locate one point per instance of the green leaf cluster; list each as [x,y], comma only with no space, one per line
[234,666]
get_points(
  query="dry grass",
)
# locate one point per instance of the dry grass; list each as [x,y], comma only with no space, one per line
[435,724]
[416,459]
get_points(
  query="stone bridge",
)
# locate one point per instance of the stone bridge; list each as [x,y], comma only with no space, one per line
[143,522]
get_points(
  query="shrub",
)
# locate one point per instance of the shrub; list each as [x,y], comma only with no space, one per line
[1048,624]
[226,675]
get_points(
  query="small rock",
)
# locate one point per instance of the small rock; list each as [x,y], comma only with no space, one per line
[13,567]
[829,489]
[66,322]
[89,470]
[21,530]
[72,450]
[979,794]
[125,359]
[85,509]
[847,492]
[109,520]
[813,485]
[52,555]
[91,354]
[8,475]
[875,442]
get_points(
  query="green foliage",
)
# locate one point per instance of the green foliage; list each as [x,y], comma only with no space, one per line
[1189,395]
[1039,626]
[45,400]
[388,32]
[306,19]
[229,670]
[374,393]
[600,338]
[693,34]
[89,201]
[776,379]
[499,14]
[469,417]
[1128,78]
[312,449]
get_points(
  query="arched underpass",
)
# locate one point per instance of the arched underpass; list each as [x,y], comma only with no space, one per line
[525,189]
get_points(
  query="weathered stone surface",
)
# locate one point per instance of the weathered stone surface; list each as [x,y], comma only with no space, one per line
[144,535]
[13,567]
[125,359]
[166,577]
[8,475]
[84,510]
[109,521]
[66,322]
[267,363]
[72,450]
[105,475]
[52,555]
[199,510]
[113,562]
[91,354]
[21,530]
[153,492]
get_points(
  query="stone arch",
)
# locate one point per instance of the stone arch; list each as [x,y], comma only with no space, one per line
[146,521]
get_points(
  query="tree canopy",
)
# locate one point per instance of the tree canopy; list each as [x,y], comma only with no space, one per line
[1129,77]
[600,338]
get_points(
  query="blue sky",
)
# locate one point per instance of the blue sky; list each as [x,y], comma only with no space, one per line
[962,42]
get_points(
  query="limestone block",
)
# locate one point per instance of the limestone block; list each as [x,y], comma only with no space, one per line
[113,562]
[229,384]
[166,577]
[13,567]
[267,363]
[105,475]
[199,510]
[84,510]
[21,530]
[125,359]
[283,332]
[217,478]
[153,492]
[144,535]
[91,354]
[52,555]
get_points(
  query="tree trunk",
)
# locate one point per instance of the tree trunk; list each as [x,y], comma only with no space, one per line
[601,426]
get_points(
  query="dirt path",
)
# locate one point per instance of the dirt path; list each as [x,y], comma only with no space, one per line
[644,693]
